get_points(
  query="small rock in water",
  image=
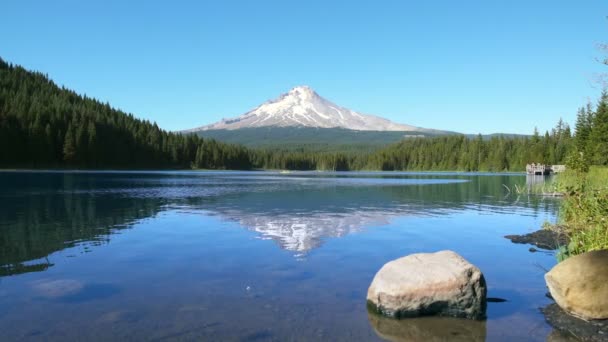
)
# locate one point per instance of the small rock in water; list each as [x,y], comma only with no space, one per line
[579,285]
[533,250]
[424,284]
[544,239]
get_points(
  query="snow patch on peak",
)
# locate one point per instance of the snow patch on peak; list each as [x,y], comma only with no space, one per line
[304,92]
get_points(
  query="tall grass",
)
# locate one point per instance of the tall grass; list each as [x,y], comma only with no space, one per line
[584,211]
[545,188]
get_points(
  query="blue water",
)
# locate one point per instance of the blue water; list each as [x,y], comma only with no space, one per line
[254,255]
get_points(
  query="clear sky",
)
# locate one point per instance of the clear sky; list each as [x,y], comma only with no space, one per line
[470,66]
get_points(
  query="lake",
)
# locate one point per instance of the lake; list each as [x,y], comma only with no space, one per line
[255,256]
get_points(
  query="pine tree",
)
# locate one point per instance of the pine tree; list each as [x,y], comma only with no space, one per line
[69,148]
[91,145]
[598,136]
[49,144]
[581,129]
[535,135]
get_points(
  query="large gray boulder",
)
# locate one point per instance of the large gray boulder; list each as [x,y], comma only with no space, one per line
[579,285]
[441,283]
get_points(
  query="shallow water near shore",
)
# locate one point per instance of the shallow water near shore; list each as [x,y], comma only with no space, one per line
[255,256]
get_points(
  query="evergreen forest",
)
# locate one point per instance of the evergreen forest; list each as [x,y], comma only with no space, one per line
[43,125]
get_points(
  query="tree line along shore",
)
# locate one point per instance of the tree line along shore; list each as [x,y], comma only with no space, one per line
[43,125]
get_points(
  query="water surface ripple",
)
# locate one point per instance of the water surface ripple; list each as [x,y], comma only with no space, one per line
[255,255]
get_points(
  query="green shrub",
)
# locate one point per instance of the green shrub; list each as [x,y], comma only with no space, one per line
[584,211]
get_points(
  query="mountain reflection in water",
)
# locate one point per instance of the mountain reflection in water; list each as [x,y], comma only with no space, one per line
[44,212]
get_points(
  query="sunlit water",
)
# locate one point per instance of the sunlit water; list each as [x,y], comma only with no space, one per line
[255,255]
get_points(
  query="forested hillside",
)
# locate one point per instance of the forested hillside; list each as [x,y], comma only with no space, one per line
[310,138]
[43,125]
[469,154]
[453,152]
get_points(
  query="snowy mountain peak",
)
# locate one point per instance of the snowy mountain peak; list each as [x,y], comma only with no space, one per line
[303,107]
[303,92]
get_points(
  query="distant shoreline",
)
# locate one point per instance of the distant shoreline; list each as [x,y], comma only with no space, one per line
[68,170]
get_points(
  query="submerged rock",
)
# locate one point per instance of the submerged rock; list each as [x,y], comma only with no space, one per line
[579,285]
[570,328]
[544,239]
[428,329]
[424,284]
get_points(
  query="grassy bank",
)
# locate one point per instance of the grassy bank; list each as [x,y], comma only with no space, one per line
[584,211]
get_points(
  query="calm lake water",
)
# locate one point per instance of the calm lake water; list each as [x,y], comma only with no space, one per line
[255,256]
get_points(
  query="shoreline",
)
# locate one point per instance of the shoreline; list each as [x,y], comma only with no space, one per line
[566,326]
[146,170]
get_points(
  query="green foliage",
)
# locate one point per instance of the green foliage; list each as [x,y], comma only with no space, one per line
[584,211]
[449,152]
[582,128]
[309,138]
[598,135]
[461,153]
[576,161]
[591,133]
[43,125]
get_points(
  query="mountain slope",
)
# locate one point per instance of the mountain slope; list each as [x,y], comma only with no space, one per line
[303,107]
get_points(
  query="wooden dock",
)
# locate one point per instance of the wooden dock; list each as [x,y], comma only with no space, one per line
[542,169]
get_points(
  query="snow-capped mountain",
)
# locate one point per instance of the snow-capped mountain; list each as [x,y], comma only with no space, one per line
[303,107]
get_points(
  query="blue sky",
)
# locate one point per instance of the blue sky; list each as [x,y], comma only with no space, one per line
[469,66]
